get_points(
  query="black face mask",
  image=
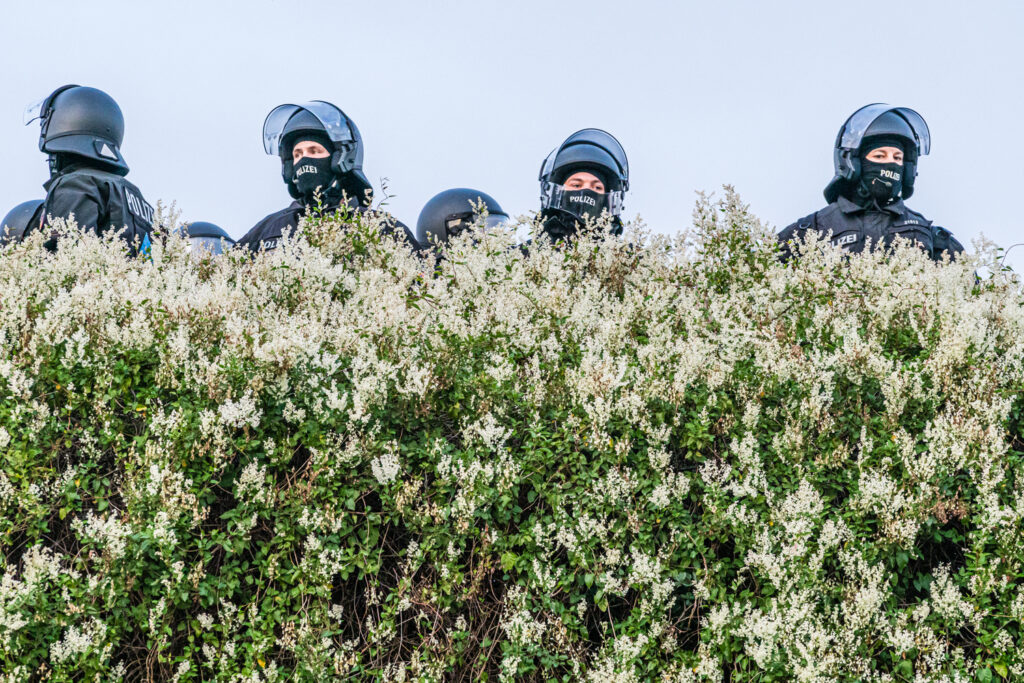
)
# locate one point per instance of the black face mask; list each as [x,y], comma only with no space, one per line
[310,173]
[583,203]
[881,182]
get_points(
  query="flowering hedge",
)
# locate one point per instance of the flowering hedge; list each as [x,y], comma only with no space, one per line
[682,461]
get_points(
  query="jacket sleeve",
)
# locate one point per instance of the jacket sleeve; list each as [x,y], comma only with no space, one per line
[410,238]
[944,241]
[795,231]
[393,226]
[785,237]
[252,239]
[76,195]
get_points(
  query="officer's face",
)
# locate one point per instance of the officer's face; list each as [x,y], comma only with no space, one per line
[308,148]
[886,155]
[582,180]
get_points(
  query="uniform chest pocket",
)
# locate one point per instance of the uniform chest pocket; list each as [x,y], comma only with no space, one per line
[915,231]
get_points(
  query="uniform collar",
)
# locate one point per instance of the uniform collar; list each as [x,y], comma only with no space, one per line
[70,168]
[82,166]
[849,207]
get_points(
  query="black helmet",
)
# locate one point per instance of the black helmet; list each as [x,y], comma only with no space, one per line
[207,236]
[15,224]
[871,121]
[285,125]
[587,149]
[83,121]
[450,212]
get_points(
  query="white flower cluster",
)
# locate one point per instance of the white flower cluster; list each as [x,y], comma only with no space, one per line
[385,467]
[78,640]
[108,533]
[252,484]
[240,413]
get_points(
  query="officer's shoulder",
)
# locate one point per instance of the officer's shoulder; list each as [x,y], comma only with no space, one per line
[799,226]
[89,174]
[78,178]
[389,223]
[272,223]
[915,215]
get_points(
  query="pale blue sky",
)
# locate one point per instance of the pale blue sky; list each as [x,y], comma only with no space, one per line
[477,93]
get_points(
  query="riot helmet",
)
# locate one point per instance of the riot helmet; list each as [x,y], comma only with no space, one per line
[83,121]
[322,122]
[207,237]
[16,223]
[877,121]
[594,151]
[451,212]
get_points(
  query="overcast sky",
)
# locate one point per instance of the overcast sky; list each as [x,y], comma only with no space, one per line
[477,93]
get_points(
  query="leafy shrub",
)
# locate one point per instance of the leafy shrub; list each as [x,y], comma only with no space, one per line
[682,461]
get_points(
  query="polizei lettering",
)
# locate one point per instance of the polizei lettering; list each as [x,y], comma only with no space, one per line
[582,199]
[891,175]
[139,207]
[845,239]
[303,170]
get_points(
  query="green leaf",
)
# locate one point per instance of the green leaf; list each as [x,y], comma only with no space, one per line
[508,561]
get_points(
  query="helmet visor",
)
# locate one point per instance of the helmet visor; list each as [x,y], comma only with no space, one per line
[457,222]
[35,111]
[38,110]
[858,124]
[604,140]
[329,116]
[207,245]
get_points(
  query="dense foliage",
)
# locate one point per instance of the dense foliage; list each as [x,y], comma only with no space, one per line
[681,461]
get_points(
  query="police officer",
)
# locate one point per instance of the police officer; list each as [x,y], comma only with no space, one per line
[17,220]
[451,212]
[876,156]
[207,238]
[81,130]
[585,176]
[321,154]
